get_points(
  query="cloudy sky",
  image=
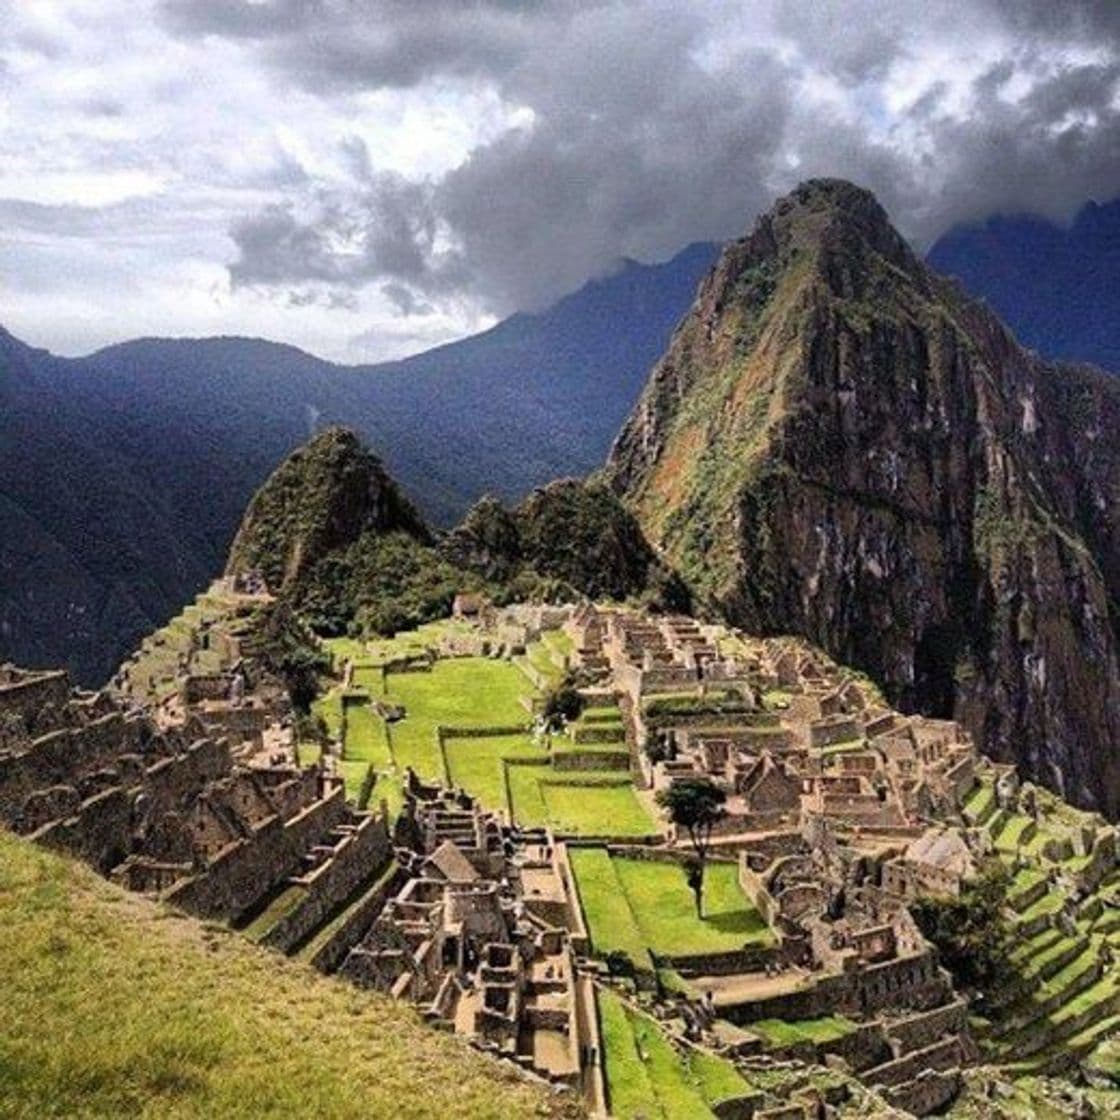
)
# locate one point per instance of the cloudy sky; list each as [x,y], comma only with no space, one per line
[367,179]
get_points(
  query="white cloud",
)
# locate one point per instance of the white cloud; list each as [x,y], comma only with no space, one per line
[366,186]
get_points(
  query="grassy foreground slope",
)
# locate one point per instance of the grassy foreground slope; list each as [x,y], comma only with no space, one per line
[116,1006]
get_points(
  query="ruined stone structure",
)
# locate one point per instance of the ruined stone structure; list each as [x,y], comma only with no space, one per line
[194,796]
[840,813]
[476,933]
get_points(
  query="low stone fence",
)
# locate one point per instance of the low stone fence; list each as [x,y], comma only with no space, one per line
[753,887]
[923,1029]
[571,761]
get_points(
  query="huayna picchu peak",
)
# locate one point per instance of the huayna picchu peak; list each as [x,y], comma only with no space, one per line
[323,497]
[840,444]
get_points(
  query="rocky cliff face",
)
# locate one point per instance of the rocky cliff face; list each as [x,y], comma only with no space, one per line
[839,444]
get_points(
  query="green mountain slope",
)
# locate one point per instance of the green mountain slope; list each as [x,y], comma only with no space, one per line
[839,444]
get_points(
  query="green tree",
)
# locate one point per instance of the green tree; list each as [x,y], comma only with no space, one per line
[969,931]
[696,805]
[562,705]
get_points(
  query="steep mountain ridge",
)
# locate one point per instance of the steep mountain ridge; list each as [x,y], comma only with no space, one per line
[124,475]
[840,444]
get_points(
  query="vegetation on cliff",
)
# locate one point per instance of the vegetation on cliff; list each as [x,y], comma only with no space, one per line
[839,444]
[322,498]
[332,535]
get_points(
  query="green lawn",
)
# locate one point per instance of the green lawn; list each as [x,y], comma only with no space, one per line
[540,656]
[369,678]
[587,803]
[610,921]
[476,764]
[659,913]
[602,809]
[367,745]
[666,913]
[345,649]
[459,692]
[648,1078]
[781,1032]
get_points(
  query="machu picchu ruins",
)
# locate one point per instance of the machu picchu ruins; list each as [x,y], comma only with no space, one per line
[432,831]
[764,765]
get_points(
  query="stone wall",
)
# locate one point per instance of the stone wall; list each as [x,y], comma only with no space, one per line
[357,858]
[28,694]
[915,1032]
[99,833]
[241,876]
[329,955]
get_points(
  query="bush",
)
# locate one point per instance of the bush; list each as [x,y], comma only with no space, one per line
[969,932]
[563,705]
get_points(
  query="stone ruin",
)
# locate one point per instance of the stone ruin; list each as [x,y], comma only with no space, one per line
[839,813]
[183,810]
[475,931]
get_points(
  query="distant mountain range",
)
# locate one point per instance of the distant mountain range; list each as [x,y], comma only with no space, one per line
[1058,288]
[123,474]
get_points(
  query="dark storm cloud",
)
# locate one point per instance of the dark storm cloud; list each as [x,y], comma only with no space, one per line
[655,124]
[388,229]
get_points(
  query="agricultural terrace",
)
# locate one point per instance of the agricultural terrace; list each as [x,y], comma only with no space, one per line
[648,1077]
[1064,1000]
[593,803]
[639,907]
[462,692]
[157,665]
[467,723]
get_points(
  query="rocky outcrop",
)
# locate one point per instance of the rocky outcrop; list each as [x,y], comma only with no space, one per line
[839,443]
[321,499]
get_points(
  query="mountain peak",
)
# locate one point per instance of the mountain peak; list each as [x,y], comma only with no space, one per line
[831,219]
[324,496]
[837,444]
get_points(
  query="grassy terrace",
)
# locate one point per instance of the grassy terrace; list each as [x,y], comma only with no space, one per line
[114,1006]
[581,803]
[468,693]
[157,665]
[648,1078]
[779,1032]
[642,906]
[459,692]
[548,655]
[478,765]
[1064,1001]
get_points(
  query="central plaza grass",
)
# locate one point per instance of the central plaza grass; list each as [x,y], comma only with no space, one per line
[476,764]
[660,911]
[458,692]
[583,803]
[648,1078]
[115,1006]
